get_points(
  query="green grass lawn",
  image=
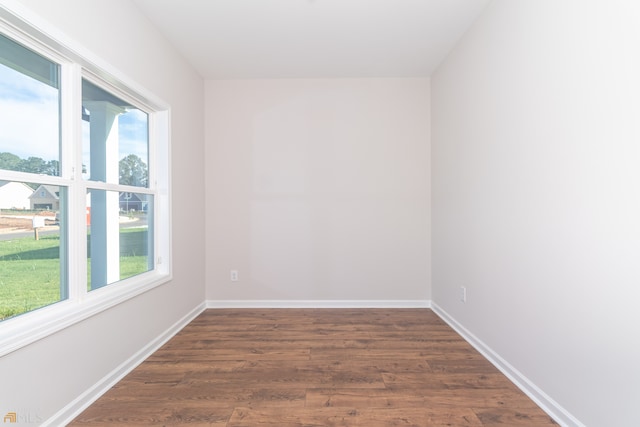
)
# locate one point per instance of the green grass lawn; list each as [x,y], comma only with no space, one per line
[29,274]
[30,269]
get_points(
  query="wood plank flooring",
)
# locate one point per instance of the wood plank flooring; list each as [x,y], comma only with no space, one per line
[315,367]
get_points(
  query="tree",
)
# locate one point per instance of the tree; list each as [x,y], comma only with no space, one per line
[33,165]
[133,171]
[9,161]
[52,167]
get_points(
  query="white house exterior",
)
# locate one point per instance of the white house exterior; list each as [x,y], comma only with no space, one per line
[14,195]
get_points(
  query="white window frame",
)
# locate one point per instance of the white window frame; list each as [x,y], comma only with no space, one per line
[78,63]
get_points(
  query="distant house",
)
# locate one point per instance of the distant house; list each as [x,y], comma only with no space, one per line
[133,202]
[14,195]
[46,197]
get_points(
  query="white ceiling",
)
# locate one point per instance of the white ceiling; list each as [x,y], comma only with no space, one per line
[313,38]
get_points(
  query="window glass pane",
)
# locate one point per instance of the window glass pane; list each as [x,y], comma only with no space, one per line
[29,111]
[32,247]
[118,241]
[115,139]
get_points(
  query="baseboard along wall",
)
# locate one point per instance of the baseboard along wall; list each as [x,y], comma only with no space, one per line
[318,304]
[543,400]
[82,402]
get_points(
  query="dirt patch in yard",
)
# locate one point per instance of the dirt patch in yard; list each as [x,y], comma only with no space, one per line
[8,223]
[20,223]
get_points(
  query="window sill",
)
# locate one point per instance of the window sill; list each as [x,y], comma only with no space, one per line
[27,328]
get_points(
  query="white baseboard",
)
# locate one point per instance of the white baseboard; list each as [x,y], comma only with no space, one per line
[318,304]
[550,406]
[82,402]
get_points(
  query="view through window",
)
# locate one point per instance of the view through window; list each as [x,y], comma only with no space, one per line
[115,151]
[31,266]
[112,204]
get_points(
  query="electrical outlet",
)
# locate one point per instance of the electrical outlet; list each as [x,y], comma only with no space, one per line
[463,294]
[234,275]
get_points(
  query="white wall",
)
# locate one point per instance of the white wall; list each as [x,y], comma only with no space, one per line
[536,207]
[44,377]
[318,190]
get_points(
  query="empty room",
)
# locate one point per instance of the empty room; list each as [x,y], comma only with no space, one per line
[319,212]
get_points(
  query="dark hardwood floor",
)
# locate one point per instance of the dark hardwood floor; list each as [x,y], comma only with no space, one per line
[315,367]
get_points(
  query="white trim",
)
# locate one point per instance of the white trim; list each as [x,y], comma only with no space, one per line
[20,331]
[546,403]
[318,303]
[65,415]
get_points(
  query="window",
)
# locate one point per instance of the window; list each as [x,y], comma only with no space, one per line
[30,270]
[30,94]
[84,209]
[115,151]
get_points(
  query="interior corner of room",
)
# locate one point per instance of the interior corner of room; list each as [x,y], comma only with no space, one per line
[498,189]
